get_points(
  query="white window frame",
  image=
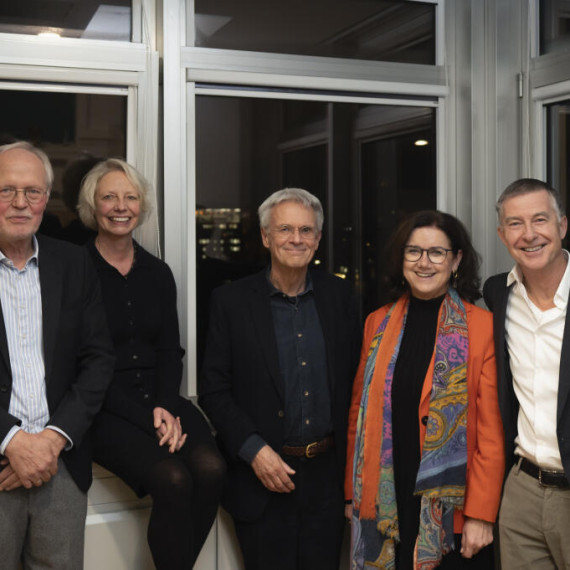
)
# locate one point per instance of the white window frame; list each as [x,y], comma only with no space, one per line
[92,66]
[549,82]
[185,66]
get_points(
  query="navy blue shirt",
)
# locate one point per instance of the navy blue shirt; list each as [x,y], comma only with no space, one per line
[303,366]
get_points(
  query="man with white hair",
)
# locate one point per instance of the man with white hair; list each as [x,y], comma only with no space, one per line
[55,364]
[281,354]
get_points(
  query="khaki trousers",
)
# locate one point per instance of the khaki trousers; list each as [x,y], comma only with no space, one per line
[534,525]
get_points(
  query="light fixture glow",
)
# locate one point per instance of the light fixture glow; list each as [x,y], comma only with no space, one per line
[421,142]
[49,35]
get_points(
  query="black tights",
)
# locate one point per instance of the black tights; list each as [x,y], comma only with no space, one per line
[185,491]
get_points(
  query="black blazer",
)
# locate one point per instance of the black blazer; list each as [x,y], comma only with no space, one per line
[496,294]
[78,353]
[241,388]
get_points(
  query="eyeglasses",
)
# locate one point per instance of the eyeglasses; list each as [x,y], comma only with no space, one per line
[32,195]
[306,233]
[435,254]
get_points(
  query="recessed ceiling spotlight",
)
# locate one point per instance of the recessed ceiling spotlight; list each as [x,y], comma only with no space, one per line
[421,142]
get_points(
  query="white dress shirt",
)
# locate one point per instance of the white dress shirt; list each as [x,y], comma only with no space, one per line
[534,341]
[20,295]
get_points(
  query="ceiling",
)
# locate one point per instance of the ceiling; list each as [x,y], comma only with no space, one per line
[70,18]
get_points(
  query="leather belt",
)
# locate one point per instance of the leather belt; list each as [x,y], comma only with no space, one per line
[309,450]
[545,478]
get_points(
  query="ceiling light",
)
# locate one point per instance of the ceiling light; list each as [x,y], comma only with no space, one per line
[421,142]
[49,34]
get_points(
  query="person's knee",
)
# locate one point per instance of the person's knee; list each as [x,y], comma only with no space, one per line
[209,468]
[169,481]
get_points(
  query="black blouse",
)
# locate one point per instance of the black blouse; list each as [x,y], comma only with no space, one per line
[143,320]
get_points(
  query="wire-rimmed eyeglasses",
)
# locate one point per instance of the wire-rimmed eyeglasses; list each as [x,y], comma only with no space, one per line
[435,254]
[306,233]
[32,195]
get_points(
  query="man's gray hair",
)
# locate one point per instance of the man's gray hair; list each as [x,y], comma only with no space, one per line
[290,195]
[525,186]
[25,145]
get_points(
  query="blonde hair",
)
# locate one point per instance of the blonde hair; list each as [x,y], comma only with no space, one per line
[86,205]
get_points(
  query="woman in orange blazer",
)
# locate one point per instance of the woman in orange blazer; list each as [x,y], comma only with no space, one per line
[425,442]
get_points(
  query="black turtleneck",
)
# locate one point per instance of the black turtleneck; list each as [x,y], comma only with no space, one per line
[416,350]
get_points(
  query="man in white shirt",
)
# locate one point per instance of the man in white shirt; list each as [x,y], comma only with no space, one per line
[56,361]
[533,362]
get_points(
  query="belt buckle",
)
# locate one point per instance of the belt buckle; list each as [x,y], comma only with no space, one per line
[309,450]
[540,481]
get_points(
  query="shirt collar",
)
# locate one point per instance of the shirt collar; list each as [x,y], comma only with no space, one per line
[34,257]
[274,291]
[561,295]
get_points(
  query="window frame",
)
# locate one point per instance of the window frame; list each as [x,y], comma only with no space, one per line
[548,82]
[93,66]
[186,67]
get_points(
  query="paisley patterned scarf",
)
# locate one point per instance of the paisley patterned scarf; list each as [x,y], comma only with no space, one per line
[441,476]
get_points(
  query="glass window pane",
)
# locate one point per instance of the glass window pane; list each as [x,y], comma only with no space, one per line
[398,177]
[92,19]
[554,25]
[558,147]
[360,160]
[75,130]
[378,30]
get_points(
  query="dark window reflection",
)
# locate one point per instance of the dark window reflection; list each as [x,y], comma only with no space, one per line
[360,160]
[378,30]
[558,148]
[554,16]
[76,131]
[398,177]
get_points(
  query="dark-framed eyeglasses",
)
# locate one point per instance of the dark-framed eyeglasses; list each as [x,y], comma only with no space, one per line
[435,254]
[32,195]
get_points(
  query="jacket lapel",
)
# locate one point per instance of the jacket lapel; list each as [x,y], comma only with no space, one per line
[51,288]
[329,324]
[4,343]
[500,319]
[262,319]
[564,374]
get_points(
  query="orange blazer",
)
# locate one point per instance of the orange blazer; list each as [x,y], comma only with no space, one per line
[485,443]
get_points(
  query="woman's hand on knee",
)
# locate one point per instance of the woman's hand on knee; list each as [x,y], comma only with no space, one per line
[168,429]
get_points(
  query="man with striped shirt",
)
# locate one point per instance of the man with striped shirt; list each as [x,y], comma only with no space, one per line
[55,364]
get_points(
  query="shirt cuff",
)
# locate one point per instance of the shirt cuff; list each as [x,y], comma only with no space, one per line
[69,443]
[13,431]
[251,448]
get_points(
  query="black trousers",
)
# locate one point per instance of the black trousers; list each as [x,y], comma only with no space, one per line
[301,530]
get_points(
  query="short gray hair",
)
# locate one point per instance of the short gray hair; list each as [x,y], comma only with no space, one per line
[86,204]
[25,145]
[290,195]
[526,186]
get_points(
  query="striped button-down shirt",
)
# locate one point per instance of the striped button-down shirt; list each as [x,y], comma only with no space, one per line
[20,295]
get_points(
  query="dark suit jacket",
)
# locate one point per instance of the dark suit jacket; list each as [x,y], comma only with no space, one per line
[242,389]
[78,353]
[496,294]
